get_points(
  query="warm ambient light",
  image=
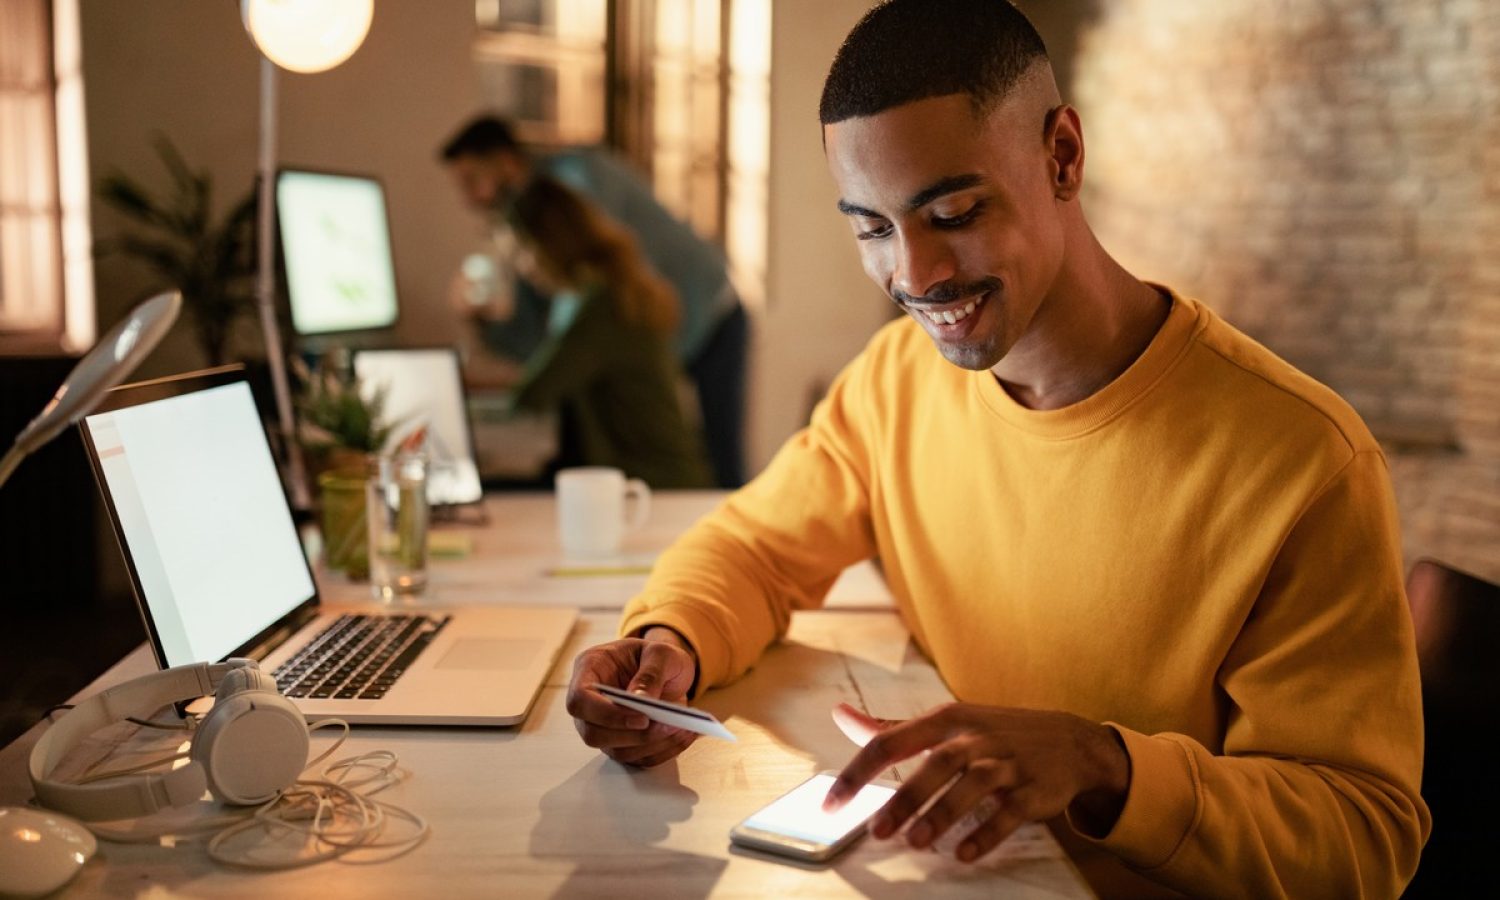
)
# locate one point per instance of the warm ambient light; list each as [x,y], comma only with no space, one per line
[307,35]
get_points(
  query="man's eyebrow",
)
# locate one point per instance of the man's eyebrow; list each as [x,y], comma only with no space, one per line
[849,209]
[942,187]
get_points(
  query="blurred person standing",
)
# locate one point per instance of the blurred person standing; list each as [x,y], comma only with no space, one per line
[610,370]
[491,169]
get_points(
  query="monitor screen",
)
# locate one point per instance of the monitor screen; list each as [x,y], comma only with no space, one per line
[336,245]
[202,517]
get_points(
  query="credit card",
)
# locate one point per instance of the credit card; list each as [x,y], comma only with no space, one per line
[674,714]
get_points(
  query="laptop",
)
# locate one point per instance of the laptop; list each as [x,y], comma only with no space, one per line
[219,571]
[424,389]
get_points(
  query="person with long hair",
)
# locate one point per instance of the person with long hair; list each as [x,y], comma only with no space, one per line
[610,371]
[489,166]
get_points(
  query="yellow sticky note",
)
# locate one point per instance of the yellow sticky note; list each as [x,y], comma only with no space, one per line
[449,544]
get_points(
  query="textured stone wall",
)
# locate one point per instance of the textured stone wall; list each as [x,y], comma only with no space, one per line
[1326,175]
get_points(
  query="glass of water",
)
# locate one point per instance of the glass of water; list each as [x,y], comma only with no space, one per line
[396,502]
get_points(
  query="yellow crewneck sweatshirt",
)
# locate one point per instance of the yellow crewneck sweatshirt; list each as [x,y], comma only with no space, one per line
[1204,554]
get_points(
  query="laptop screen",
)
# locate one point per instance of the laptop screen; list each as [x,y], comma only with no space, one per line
[424,388]
[203,518]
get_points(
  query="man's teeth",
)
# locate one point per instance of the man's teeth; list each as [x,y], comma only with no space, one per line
[951,316]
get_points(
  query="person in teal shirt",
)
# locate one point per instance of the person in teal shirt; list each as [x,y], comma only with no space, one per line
[712,337]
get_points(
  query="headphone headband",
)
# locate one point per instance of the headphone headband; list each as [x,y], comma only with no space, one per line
[140,697]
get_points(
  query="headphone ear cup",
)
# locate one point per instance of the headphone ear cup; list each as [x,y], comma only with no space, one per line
[246,678]
[252,745]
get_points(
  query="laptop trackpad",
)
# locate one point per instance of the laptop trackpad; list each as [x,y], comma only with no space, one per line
[489,654]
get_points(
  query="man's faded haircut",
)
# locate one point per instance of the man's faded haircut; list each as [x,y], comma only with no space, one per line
[908,50]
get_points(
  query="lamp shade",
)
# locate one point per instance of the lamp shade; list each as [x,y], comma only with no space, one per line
[114,357]
[307,35]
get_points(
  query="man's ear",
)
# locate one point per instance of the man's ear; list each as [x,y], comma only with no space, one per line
[1063,133]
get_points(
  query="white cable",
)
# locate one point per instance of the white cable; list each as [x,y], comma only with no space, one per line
[334,812]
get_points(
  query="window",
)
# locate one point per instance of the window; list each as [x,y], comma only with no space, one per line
[46,287]
[542,64]
[748,161]
[679,87]
[686,97]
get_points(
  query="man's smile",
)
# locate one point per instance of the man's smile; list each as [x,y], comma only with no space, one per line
[952,314]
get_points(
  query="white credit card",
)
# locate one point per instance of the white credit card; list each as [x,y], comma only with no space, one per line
[674,714]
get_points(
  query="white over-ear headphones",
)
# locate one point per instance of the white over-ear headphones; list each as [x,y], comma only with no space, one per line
[248,748]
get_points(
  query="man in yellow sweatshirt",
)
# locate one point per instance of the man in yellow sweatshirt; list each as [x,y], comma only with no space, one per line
[1157,565]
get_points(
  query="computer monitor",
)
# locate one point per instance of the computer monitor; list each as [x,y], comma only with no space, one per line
[336,250]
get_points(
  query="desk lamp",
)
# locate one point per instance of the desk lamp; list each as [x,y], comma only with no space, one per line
[300,36]
[28,873]
[114,357]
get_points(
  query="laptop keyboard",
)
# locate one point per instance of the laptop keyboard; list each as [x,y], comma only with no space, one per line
[357,657]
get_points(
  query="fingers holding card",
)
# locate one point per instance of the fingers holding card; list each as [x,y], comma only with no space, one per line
[675,714]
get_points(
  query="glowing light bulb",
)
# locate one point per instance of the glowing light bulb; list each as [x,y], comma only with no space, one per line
[307,35]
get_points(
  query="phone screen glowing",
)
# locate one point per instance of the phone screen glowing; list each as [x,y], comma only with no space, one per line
[799,814]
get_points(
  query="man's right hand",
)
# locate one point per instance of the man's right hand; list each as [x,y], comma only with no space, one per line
[658,665]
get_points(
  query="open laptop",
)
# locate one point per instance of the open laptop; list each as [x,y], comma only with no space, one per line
[219,571]
[424,389]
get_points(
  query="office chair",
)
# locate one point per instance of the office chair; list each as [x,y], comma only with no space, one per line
[1457,619]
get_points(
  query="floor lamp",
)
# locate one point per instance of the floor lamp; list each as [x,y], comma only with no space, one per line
[300,36]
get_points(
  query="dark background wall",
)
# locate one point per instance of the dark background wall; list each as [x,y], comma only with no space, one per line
[68,609]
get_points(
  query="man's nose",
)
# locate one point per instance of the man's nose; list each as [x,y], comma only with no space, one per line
[922,263]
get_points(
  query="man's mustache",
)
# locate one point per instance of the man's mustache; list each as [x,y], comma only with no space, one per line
[947,292]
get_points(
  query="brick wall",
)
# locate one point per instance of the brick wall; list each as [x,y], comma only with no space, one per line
[1326,175]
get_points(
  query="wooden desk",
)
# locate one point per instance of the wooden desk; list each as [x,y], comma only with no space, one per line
[532,812]
[517,546]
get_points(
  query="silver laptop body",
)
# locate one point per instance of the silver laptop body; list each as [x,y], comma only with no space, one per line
[219,570]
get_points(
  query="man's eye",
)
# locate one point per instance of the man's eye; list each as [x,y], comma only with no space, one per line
[960,220]
[873,233]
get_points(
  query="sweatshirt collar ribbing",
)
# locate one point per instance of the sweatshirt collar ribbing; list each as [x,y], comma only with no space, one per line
[1184,320]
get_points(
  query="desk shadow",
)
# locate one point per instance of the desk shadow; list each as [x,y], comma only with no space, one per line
[929,872]
[777,693]
[611,817]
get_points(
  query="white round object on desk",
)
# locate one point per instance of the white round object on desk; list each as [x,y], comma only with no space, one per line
[40,851]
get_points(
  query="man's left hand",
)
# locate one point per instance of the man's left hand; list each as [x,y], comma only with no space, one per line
[1033,764]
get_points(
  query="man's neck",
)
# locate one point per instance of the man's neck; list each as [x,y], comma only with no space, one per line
[1097,320]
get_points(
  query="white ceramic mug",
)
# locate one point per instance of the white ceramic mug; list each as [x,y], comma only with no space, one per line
[591,519]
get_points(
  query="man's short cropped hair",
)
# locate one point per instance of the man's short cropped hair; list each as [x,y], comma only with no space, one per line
[908,50]
[481,137]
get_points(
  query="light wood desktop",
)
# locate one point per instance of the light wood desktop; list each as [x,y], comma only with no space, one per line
[514,558]
[533,812]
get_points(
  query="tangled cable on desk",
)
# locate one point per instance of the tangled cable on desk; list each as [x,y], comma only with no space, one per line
[334,812]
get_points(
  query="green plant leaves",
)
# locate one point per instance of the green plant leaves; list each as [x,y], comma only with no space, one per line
[212,264]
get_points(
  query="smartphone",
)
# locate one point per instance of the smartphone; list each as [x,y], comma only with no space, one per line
[795,824]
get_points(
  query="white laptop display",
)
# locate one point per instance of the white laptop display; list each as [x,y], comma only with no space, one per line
[424,388]
[219,571]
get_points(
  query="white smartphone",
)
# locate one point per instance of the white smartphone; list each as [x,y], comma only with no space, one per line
[795,824]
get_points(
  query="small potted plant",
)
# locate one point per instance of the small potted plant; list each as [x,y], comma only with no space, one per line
[340,425]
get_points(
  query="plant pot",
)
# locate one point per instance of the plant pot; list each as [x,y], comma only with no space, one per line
[346,533]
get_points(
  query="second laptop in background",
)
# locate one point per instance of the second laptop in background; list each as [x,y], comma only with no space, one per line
[425,388]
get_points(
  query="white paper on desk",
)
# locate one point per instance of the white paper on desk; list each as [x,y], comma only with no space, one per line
[667,713]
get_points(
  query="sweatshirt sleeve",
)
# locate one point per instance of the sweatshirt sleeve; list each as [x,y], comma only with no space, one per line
[1315,792]
[730,584]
